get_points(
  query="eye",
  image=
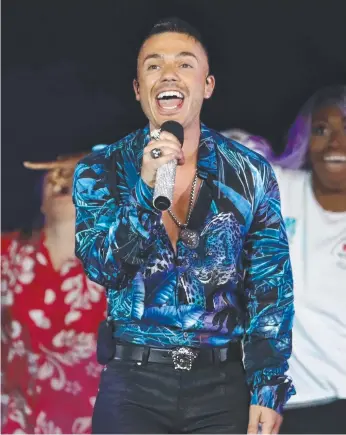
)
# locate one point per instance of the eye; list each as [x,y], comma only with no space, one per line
[319,130]
[153,67]
[185,65]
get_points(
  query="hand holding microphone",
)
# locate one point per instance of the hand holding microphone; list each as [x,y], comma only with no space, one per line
[160,158]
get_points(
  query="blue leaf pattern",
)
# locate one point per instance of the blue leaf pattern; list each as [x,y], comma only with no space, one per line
[236,285]
[138,296]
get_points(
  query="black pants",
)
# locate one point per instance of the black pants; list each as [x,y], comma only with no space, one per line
[156,398]
[319,419]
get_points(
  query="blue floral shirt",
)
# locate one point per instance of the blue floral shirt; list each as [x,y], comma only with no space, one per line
[236,285]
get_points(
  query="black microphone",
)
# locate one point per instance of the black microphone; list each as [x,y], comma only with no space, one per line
[174,128]
[165,175]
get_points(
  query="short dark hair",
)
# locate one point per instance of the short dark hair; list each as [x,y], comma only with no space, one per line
[176,25]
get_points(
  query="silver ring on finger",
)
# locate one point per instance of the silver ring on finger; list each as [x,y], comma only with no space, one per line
[155,134]
[156,153]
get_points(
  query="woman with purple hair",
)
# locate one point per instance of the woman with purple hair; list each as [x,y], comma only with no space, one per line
[311,174]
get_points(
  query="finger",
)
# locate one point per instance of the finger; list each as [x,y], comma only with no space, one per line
[181,161]
[164,135]
[177,156]
[151,145]
[42,165]
[148,159]
[50,165]
[161,143]
[165,159]
[164,152]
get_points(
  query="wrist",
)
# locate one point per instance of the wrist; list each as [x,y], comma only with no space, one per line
[148,181]
[143,195]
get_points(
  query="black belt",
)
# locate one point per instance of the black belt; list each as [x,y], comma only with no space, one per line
[182,358]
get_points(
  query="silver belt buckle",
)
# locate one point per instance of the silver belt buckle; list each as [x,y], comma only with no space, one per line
[183,358]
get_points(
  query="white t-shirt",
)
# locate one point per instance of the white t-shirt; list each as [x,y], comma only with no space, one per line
[318,253]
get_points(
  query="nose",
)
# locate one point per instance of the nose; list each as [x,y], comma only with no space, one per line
[169,74]
[337,138]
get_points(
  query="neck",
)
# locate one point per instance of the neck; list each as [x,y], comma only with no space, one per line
[192,136]
[60,241]
[330,200]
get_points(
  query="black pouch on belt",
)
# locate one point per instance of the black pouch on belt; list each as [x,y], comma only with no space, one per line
[105,343]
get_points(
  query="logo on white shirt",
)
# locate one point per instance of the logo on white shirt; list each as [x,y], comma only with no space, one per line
[339,252]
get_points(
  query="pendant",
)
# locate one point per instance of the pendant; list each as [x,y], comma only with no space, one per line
[190,238]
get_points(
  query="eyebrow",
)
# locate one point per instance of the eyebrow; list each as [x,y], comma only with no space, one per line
[325,119]
[152,56]
[160,56]
[187,54]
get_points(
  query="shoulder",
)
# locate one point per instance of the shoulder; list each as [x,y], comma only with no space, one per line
[96,175]
[246,163]
[7,238]
[95,163]
[240,153]
[18,241]
[266,176]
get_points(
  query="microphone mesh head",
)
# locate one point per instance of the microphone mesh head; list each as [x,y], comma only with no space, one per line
[174,128]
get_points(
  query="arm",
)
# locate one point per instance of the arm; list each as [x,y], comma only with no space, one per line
[269,291]
[114,216]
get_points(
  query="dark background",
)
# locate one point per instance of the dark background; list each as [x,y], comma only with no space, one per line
[67,70]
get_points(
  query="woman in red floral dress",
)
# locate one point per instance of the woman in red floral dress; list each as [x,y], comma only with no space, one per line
[52,312]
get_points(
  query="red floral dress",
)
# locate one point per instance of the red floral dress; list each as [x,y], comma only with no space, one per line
[49,368]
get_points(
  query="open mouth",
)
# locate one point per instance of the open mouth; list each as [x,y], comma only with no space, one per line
[170,100]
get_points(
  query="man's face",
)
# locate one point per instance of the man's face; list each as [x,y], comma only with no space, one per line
[173,79]
[328,148]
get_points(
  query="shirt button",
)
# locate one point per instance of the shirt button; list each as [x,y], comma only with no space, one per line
[185,335]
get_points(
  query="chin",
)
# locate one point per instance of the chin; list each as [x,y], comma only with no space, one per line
[63,213]
[333,183]
[159,118]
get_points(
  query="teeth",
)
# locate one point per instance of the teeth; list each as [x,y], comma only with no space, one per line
[335,158]
[170,94]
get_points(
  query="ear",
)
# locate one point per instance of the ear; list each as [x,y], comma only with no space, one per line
[136,89]
[209,86]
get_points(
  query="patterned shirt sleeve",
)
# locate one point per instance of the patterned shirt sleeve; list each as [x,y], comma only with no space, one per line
[114,220]
[269,291]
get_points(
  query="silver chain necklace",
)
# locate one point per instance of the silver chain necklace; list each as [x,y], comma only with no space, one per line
[190,238]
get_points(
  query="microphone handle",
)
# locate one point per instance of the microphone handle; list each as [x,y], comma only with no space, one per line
[164,186]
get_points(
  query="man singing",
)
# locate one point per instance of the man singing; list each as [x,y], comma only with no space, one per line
[184,311]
